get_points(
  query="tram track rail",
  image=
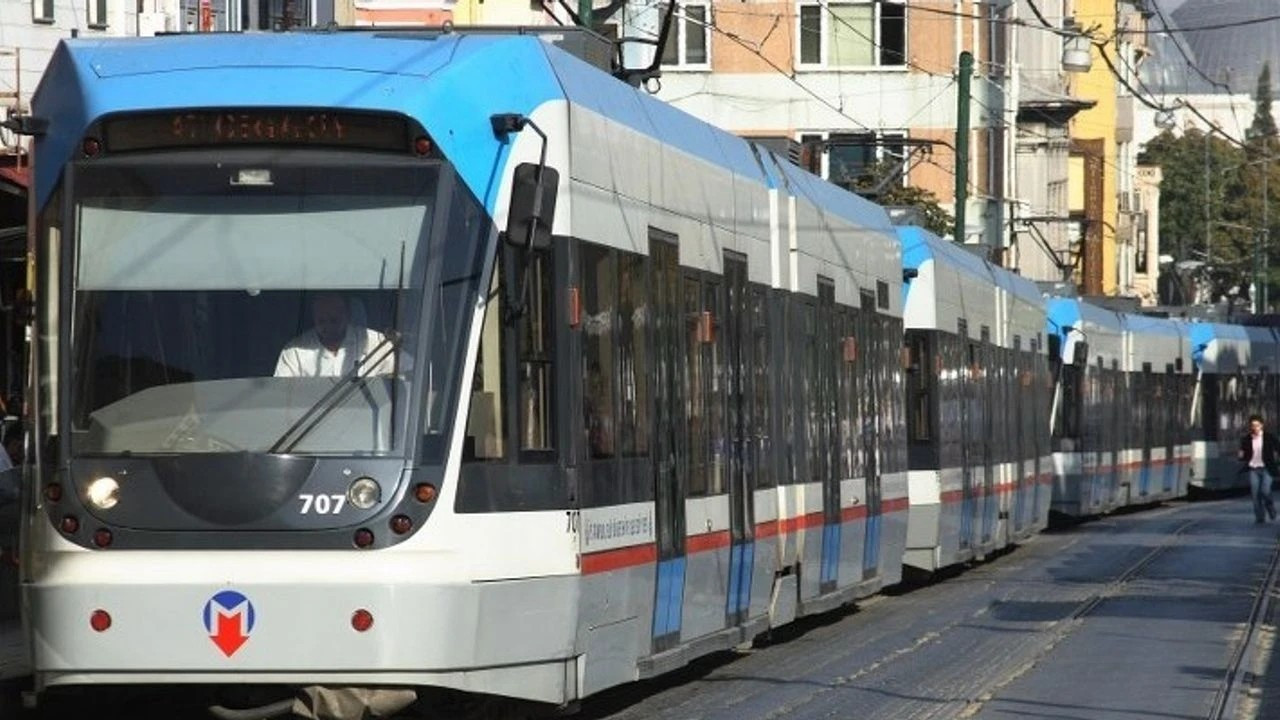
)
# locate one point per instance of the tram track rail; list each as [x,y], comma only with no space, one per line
[1107,587]
[1061,630]
[1233,686]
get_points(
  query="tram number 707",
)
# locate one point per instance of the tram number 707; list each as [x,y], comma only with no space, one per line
[322,504]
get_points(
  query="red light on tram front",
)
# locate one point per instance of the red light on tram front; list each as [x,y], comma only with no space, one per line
[91,147]
[363,538]
[70,524]
[575,308]
[422,146]
[53,492]
[102,537]
[401,524]
[424,492]
[100,620]
[361,620]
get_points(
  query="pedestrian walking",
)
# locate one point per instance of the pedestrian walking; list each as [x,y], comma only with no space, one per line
[1260,457]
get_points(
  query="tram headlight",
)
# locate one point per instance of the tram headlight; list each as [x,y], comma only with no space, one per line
[104,493]
[364,493]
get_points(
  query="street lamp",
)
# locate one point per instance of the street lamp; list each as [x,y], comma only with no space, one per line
[1077,52]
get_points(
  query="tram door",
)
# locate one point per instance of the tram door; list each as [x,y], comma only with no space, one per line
[1147,387]
[1015,386]
[1168,409]
[669,433]
[985,377]
[737,329]
[968,500]
[1039,425]
[825,435]
[872,336]
[1118,417]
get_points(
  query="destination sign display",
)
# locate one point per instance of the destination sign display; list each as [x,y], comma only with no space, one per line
[255,127]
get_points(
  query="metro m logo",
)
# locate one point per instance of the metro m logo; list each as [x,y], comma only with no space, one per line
[229,619]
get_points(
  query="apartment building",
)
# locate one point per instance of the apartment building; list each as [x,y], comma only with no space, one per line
[853,83]
[1087,213]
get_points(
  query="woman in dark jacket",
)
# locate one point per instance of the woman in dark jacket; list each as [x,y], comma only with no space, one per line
[1260,454]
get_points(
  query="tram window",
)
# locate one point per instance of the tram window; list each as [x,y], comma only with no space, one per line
[818,391]
[898,401]
[854,391]
[714,381]
[803,429]
[598,353]
[919,388]
[633,386]
[762,382]
[886,392]
[486,435]
[48,294]
[451,313]
[535,392]
[844,388]
[694,389]
[1071,400]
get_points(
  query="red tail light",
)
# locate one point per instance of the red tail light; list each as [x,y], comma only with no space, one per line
[401,524]
[100,620]
[361,620]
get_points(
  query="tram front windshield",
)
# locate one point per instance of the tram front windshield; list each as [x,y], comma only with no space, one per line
[248,305]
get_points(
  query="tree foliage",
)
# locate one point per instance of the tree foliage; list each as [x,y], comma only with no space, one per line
[1214,212]
[881,183]
[1264,125]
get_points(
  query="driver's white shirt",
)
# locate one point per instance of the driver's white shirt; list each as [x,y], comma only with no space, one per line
[305,356]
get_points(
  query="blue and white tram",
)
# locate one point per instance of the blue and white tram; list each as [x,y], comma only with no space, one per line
[1235,377]
[611,388]
[1086,349]
[976,450]
[1156,457]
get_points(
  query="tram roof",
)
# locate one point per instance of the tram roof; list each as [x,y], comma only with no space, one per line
[919,245]
[1209,342]
[1148,325]
[451,83]
[1071,312]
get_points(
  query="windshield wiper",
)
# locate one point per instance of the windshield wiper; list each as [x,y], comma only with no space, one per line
[354,378]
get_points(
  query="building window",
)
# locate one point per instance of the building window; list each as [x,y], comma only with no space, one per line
[279,15]
[42,11]
[97,13]
[853,34]
[855,161]
[689,43]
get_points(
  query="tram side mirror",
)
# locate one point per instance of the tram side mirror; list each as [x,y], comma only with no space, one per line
[523,217]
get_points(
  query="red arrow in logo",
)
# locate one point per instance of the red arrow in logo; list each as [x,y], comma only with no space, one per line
[229,639]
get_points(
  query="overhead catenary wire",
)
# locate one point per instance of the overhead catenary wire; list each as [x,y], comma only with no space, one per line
[756,49]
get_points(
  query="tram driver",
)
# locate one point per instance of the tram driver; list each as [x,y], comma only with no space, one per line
[333,346]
